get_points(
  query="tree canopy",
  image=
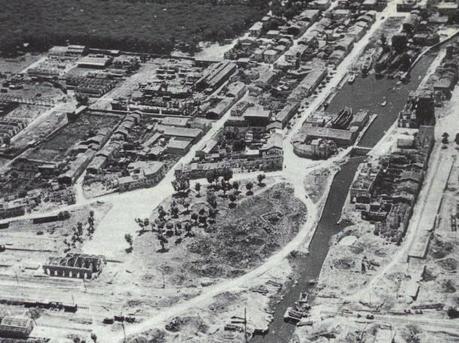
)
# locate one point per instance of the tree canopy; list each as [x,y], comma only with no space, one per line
[152,26]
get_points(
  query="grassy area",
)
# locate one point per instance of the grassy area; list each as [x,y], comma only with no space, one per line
[149,25]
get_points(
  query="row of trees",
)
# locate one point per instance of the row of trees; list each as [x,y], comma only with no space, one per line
[445,138]
[78,232]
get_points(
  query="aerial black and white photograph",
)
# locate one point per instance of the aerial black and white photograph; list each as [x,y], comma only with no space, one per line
[229,171]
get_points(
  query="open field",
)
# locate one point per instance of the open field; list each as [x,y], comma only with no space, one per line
[25,112]
[56,147]
[352,329]
[135,284]
[36,90]
[356,254]
[15,65]
[40,131]
[158,26]
[30,244]
[236,240]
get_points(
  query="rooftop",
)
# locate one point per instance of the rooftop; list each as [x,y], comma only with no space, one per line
[175,121]
[329,133]
[179,131]
[180,144]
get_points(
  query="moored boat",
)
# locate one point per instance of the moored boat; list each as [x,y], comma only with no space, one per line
[351,78]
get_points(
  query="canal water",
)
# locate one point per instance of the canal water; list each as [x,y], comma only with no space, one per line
[368,94]
[365,93]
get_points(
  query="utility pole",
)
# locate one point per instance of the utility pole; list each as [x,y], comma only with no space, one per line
[245,324]
[124,329]
[124,332]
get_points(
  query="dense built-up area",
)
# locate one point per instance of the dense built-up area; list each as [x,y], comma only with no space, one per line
[145,120]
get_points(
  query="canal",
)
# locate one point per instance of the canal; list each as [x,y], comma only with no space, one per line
[365,93]
[368,94]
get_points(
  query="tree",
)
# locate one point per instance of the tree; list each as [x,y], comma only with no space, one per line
[160,224]
[203,220]
[82,100]
[445,137]
[174,211]
[457,139]
[452,313]
[290,13]
[161,212]
[224,186]
[210,176]
[227,174]
[34,313]
[238,145]
[94,337]
[129,240]
[383,40]
[212,212]
[162,242]
[79,228]
[232,199]
[188,229]
[186,204]
[194,216]
[91,220]
[276,8]
[181,185]
[212,199]
[91,227]
[178,229]
[236,186]
[249,187]
[197,188]
[260,178]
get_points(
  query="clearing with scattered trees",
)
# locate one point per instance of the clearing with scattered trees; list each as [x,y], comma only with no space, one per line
[214,231]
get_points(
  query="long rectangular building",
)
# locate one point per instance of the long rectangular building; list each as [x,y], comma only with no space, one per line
[340,137]
[287,112]
[216,75]
[310,82]
[180,132]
